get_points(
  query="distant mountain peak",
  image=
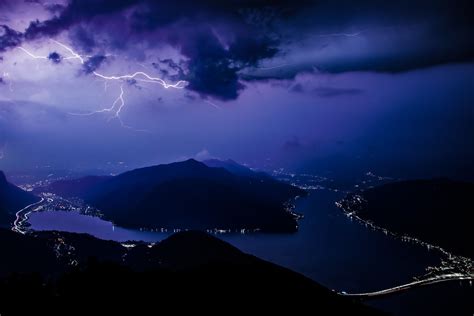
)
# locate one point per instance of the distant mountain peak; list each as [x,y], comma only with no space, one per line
[188,162]
[191,161]
[235,168]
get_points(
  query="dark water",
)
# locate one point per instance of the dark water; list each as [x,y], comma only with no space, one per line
[330,248]
[75,222]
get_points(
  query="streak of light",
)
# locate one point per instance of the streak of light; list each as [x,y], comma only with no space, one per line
[31,54]
[213,104]
[355,34]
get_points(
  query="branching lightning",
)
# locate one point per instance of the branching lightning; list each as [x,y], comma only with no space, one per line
[178,85]
[119,103]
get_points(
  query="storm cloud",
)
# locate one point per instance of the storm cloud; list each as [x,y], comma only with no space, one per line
[93,63]
[225,44]
[9,38]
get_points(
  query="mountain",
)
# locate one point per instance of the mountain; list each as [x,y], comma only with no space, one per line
[190,268]
[12,199]
[191,195]
[437,211]
[235,168]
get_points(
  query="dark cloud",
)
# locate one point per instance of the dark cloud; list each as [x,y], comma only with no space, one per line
[215,71]
[249,50]
[210,68]
[150,15]
[133,83]
[171,64]
[213,60]
[377,36]
[93,63]
[55,57]
[212,65]
[77,11]
[224,42]
[170,69]
[9,38]
[54,8]
[83,38]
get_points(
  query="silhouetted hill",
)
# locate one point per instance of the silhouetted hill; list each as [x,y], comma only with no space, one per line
[12,199]
[437,211]
[190,268]
[25,254]
[190,195]
[185,250]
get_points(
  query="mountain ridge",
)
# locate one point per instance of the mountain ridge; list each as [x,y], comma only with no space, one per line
[437,211]
[189,195]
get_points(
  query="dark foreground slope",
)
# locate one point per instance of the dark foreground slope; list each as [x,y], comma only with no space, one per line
[25,254]
[190,195]
[437,211]
[12,199]
[187,270]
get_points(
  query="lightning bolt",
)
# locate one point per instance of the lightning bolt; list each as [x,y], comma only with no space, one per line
[31,54]
[115,109]
[74,55]
[213,104]
[119,103]
[355,34]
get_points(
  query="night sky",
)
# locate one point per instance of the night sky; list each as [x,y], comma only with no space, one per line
[305,85]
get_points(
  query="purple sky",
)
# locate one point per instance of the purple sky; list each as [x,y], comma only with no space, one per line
[310,85]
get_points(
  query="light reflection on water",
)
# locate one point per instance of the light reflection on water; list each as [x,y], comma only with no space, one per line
[329,247]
